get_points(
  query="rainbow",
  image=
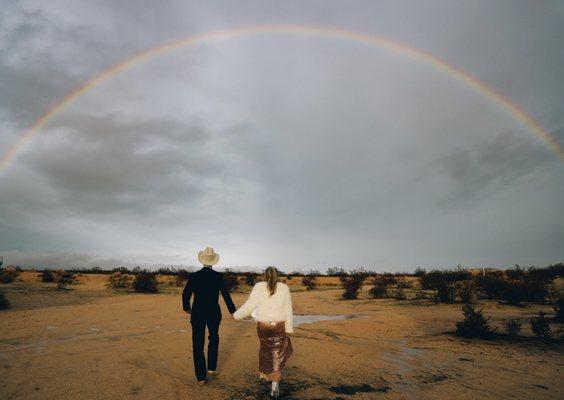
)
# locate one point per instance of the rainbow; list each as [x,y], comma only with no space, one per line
[381,42]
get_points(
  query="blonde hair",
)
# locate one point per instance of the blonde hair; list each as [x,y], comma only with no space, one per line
[271,277]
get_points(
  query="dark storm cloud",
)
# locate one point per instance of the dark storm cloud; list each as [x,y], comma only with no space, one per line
[281,149]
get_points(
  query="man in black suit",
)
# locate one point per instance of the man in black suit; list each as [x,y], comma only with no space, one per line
[206,284]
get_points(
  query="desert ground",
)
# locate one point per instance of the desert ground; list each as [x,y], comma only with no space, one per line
[93,342]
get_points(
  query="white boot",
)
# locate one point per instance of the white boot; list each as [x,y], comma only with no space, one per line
[275,389]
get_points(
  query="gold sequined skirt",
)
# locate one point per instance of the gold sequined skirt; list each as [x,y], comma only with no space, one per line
[275,349]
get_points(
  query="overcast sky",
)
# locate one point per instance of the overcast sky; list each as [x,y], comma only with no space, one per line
[282,149]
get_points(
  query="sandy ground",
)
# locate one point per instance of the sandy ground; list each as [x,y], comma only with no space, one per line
[92,342]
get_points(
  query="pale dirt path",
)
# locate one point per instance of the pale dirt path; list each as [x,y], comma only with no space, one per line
[139,346]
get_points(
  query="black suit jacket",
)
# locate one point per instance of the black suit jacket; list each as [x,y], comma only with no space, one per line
[206,284]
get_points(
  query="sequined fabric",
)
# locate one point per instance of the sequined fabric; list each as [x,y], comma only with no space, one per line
[275,349]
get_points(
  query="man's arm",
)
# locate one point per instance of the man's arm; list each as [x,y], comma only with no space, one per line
[226,296]
[187,294]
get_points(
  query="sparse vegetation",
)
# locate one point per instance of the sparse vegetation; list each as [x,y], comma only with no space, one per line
[119,280]
[145,282]
[309,282]
[9,274]
[474,325]
[378,291]
[230,280]
[4,303]
[64,278]
[399,294]
[558,305]
[512,327]
[540,326]
[251,279]
[352,285]
[47,276]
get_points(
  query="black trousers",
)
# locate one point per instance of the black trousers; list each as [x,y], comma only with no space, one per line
[198,337]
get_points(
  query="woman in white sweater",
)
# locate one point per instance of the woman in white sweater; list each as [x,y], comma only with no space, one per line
[270,305]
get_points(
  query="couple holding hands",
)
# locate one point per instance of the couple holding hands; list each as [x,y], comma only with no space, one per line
[269,304]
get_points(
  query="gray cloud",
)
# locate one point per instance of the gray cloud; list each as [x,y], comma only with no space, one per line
[281,149]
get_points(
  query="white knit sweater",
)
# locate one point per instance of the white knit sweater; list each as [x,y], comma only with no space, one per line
[264,307]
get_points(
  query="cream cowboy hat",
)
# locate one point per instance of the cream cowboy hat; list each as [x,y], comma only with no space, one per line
[208,256]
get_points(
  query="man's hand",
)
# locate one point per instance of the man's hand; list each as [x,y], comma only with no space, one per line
[187,311]
[232,316]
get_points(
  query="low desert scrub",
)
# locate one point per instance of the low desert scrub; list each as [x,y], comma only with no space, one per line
[378,291]
[47,276]
[230,280]
[64,278]
[145,282]
[474,325]
[309,282]
[540,326]
[178,280]
[9,274]
[251,278]
[119,280]
[399,294]
[512,327]
[352,285]
[4,303]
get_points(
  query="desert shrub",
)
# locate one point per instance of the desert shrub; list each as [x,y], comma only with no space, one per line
[419,272]
[309,282]
[558,305]
[145,282]
[465,291]
[474,325]
[541,326]
[515,273]
[251,279]
[230,280]
[446,292]
[178,280]
[399,294]
[512,327]
[378,291]
[47,276]
[403,283]
[420,295]
[119,280]
[490,286]
[4,303]
[336,271]
[9,274]
[64,278]
[352,285]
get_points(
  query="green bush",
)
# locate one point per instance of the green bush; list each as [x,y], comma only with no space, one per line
[145,282]
[541,326]
[474,325]
[446,292]
[512,327]
[4,303]
[352,285]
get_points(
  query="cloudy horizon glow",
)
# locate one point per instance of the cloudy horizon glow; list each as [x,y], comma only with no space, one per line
[287,150]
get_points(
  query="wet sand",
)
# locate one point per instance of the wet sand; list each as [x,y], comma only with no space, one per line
[92,342]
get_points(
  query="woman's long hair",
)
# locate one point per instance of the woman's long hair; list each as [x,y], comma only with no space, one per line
[271,277]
